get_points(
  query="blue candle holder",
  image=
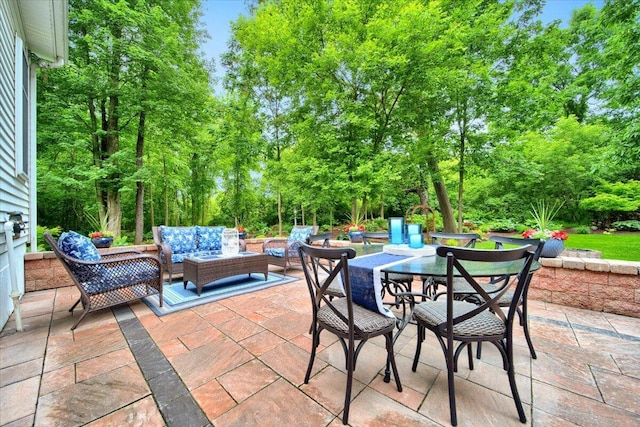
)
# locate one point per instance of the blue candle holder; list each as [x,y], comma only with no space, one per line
[415,238]
[396,230]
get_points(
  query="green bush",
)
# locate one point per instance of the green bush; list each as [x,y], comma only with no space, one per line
[630,225]
[42,244]
[502,226]
[582,229]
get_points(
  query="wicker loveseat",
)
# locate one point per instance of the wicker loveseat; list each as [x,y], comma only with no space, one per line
[177,243]
[283,251]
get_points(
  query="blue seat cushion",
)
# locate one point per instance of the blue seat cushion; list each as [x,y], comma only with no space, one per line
[209,238]
[115,278]
[276,252]
[78,246]
[299,234]
[177,258]
[180,239]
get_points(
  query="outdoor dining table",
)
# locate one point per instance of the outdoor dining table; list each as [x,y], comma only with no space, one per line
[369,273]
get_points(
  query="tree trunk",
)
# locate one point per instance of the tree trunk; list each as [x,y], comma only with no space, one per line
[446,211]
[139,184]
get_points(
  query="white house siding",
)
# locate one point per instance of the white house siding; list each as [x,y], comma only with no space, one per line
[14,189]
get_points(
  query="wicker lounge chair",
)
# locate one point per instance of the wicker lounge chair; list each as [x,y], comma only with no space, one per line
[106,279]
[283,252]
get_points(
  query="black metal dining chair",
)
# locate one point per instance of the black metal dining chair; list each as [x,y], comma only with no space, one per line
[327,267]
[468,240]
[465,322]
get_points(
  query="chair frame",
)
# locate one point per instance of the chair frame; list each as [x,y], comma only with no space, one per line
[118,263]
[430,284]
[340,313]
[291,257]
[446,331]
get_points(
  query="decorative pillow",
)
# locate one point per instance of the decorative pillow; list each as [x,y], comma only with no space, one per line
[78,246]
[209,238]
[276,252]
[180,239]
[299,234]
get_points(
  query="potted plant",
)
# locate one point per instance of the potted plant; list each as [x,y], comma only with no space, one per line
[102,238]
[242,232]
[356,227]
[543,214]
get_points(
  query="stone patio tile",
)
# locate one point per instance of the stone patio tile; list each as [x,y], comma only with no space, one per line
[22,352]
[261,343]
[578,409]
[213,399]
[174,325]
[16,373]
[239,328]
[18,400]
[290,362]
[142,413]
[57,379]
[201,337]
[94,398]
[105,363]
[85,349]
[248,379]
[328,388]
[220,315]
[619,390]
[28,335]
[371,408]
[206,363]
[476,405]
[289,325]
[280,404]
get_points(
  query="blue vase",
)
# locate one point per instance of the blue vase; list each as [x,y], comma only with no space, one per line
[552,248]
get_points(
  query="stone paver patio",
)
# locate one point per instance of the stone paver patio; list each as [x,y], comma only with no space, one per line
[241,362]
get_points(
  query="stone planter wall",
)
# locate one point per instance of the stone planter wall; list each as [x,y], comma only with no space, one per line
[590,283]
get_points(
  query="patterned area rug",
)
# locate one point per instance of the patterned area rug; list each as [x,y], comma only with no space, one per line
[177,298]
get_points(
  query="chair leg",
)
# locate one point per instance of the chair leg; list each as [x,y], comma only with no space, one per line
[75,305]
[347,397]
[524,319]
[512,382]
[391,359]
[452,392]
[314,344]
[420,338]
[75,325]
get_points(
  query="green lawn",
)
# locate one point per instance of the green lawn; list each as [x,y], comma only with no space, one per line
[613,246]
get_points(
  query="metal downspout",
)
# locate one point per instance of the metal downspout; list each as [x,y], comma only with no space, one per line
[15,294]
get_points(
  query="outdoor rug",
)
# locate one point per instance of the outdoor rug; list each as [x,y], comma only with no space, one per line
[177,298]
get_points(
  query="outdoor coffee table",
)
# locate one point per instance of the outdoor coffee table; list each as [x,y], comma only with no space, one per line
[204,270]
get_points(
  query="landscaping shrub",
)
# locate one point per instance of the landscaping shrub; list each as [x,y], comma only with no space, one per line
[582,229]
[630,225]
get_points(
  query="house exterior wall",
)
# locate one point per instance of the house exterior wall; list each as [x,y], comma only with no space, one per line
[14,187]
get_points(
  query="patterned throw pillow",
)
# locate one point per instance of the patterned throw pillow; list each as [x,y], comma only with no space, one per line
[78,246]
[209,238]
[180,239]
[299,234]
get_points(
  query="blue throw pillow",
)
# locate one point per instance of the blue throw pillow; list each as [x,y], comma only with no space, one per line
[180,239]
[209,238]
[299,234]
[78,246]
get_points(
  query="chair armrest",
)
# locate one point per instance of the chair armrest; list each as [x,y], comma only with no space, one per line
[277,242]
[324,237]
[119,253]
[164,252]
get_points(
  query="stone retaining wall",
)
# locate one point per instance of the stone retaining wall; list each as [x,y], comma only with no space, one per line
[590,283]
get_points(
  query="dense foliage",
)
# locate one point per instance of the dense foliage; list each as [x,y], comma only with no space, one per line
[339,107]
